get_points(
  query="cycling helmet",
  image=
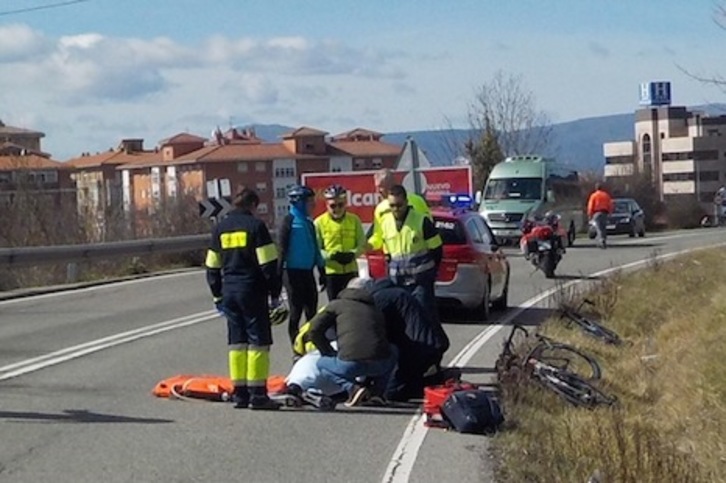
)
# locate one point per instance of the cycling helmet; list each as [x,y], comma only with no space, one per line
[334,191]
[299,193]
[551,218]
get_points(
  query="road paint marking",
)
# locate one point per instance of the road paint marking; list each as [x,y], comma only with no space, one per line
[401,465]
[36,363]
[70,290]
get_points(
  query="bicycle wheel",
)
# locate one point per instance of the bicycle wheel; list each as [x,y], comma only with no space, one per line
[576,390]
[564,357]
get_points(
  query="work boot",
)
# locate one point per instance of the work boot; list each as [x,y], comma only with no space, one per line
[240,397]
[264,403]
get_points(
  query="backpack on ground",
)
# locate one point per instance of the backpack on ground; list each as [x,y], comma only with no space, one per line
[472,411]
[434,398]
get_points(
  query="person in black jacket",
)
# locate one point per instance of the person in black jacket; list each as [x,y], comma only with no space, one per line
[241,272]
[364,350]
[420,338]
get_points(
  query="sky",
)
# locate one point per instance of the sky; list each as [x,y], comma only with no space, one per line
[89,73]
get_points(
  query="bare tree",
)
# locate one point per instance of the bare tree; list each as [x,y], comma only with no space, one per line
[504,121]
[507,108]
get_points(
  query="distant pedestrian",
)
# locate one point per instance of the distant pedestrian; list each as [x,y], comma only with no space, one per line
[599,206]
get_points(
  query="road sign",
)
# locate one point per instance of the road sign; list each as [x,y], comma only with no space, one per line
[363,196]
[215,207]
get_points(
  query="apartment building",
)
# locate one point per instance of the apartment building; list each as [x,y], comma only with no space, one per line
[25,168]
[241,159]
[683,150]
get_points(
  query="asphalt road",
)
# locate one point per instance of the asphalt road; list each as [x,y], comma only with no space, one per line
[77,368]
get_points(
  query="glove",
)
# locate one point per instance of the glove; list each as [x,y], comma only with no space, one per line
[218,305]
[275,302]
[343,258]
[322,281]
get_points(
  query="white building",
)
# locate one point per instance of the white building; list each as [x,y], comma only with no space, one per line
[684,151]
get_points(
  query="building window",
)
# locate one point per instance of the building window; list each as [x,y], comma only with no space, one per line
[708,176]
[262,208]
[359,163]
[704,155]
[713,132]
[280,193]
[679,177]
[260,166]
[284,172]
[336,170]
[5,177]
[377,163]
[619,160]
[242,167]
[262,187]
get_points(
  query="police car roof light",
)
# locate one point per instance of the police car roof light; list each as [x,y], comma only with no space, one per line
[461,201]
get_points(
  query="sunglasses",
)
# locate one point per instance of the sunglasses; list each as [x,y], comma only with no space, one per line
[339,204]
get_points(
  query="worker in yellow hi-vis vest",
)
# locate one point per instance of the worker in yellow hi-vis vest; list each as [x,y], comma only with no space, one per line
[241,272]
[341,239]
[412,245]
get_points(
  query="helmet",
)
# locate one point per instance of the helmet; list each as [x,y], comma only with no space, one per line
[552,218]
[279,314]
[299,193]
[334,191]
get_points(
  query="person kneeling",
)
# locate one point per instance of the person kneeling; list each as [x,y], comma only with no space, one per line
[363,347]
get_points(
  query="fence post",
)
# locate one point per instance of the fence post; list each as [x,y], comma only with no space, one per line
[72,272]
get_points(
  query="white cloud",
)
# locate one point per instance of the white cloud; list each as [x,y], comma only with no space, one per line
[20,42]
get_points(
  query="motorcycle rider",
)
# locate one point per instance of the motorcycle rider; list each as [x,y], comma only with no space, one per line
[599,206]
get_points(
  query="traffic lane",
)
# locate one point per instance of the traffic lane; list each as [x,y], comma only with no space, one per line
[195,350]
[474,463]
[43,324]
[130,435]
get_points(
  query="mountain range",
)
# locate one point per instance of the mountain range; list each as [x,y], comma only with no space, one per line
[577,143]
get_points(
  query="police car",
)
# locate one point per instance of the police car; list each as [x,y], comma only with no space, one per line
[474,271]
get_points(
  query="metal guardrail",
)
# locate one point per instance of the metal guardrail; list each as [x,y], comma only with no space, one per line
[25,256]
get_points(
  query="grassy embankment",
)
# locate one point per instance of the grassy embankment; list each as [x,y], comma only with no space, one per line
[670,378]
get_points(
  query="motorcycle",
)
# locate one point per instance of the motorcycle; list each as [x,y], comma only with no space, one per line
[542,243]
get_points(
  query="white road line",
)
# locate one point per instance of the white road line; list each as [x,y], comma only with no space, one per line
[107,285]
[36,363]
[404,457]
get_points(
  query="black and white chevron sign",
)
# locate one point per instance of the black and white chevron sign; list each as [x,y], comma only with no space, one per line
[215,207]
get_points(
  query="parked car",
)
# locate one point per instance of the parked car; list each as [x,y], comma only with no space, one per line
[628,217]
[474,271]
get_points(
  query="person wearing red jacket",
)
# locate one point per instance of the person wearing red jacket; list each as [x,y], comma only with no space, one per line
[599,206]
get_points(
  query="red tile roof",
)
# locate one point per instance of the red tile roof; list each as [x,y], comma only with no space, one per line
[367,148]
[32,161]
[115,158]
[303,131]
[358,132]
[182,138]
[241,152]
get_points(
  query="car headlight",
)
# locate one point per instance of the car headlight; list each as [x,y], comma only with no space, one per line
[625,220]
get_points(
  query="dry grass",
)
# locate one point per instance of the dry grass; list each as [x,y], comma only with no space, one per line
[670,380]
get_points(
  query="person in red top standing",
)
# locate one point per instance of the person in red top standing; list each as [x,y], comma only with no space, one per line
[599,206]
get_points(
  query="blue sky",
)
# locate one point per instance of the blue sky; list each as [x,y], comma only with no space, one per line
[91,73]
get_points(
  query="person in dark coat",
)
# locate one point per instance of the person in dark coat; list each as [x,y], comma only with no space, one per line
[420,338]
[364,350]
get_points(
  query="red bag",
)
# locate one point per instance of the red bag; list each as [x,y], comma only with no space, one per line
[434,397]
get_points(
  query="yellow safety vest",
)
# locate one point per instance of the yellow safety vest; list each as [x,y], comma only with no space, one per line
[301,346]
[415,201]
[343,235]
[408,250]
